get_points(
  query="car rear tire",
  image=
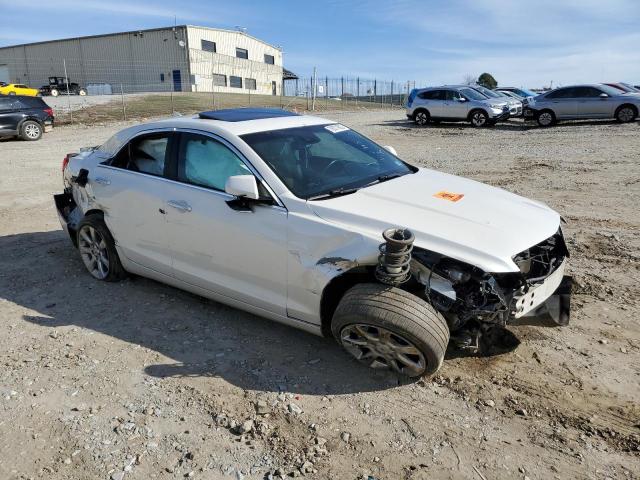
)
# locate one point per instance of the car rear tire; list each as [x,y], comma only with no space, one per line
[421,117]
[626,113]
[11,94]
[54,92]
[31,130]
[546,118]
[386,327]
[98,249]
[479,118]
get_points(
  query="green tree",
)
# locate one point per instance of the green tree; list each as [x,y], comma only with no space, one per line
[487,80]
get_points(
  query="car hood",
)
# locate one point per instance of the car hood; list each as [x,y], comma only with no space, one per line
[485,227]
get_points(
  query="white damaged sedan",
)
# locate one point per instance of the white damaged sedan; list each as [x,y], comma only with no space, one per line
[304,221]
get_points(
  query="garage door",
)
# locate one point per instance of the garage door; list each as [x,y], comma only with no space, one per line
[4,73]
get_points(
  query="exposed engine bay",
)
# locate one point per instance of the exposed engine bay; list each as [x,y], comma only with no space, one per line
[473,301]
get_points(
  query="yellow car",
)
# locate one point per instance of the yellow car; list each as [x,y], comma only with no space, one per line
[18,89]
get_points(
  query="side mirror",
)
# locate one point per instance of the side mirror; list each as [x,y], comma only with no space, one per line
[462,99]
[604,95]
[242,186]
[391,150]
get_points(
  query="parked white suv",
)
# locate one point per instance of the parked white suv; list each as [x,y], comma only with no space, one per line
[304,221]
[455,103]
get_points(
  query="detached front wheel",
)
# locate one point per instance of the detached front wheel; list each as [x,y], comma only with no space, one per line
[389,328]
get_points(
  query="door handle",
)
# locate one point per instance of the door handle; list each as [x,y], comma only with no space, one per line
[102,181]
[179,205]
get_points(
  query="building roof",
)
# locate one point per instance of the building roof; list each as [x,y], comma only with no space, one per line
[137,32]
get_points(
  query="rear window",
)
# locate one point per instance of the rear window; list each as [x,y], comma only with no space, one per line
[32,102]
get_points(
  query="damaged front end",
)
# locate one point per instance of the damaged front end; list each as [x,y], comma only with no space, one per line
[472,301]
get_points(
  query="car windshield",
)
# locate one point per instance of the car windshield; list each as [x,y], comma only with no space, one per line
[487,92]
[323,161]
[472,94]
[631,88]
[609,90]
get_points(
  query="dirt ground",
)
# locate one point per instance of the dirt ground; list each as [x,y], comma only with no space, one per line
[137,380]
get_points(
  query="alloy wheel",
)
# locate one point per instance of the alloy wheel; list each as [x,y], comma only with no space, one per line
[422,118]
[626,114]
[545,119]
[94,253]
[478,119]
[32,130]
[378,347]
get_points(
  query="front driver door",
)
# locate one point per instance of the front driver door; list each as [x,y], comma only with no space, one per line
[592,105]
[235,253]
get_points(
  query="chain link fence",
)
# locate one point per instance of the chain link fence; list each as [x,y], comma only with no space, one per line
[138,90]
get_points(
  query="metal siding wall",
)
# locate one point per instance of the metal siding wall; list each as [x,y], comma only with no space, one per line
[224,61]
[134,61]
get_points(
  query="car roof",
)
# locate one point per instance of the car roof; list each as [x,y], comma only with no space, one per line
[234,122]
[244,114]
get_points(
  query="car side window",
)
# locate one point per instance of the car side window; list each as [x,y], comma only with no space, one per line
[451,95]
[146,154]
[206,162]
[588,92]
[562,93]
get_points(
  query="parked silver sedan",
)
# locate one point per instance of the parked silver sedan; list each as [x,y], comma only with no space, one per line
[583,102]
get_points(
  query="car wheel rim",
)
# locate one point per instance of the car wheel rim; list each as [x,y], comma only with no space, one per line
[32,131]
[422,118]
[82,93]
[545,119]
[378,347]
[479,119]
[94,253]
[626,115]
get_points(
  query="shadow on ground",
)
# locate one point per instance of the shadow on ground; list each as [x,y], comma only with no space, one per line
[195,337]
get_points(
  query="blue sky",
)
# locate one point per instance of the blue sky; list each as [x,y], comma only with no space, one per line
[522,43]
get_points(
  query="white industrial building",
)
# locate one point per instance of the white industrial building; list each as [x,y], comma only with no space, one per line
[180,58]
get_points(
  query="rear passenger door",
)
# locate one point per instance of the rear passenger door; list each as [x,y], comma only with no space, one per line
[564,102]
[10,116]
[131,188]
[434,102]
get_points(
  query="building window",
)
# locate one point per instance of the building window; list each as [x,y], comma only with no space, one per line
[250,83]
[242,53]
[269,59]
[235,82]
[208,46]
[219,80]
[162,77]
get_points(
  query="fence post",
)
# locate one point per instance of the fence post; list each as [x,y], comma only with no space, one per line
[357,90]
[313,90]
[66,80]
[124,108]
[342,91]
[375,90]
[326,92]
[391,100]
[172,109]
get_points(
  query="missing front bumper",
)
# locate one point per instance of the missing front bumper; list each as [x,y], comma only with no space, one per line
[554,311]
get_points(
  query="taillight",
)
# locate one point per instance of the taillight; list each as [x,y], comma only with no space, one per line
[65,160]
[49,111]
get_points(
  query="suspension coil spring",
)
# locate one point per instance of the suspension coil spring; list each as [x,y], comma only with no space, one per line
[395,256]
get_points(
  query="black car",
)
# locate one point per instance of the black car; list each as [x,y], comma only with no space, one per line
[62,86]
[25,117]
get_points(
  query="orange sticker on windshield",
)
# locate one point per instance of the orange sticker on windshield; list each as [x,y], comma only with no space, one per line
[452,197]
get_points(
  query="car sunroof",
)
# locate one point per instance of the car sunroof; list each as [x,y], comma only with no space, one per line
[244,114]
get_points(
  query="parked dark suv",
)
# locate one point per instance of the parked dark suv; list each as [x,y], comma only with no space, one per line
[25,117]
